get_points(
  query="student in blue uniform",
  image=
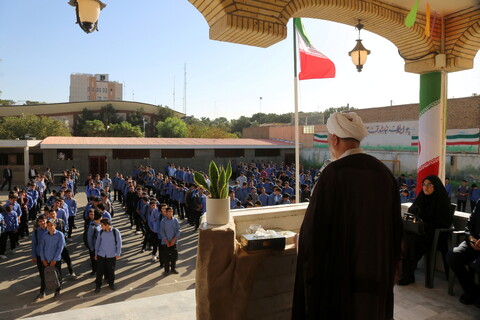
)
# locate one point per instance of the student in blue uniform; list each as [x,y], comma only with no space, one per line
[169,232]
[37,237]
[51,250]
[108,249]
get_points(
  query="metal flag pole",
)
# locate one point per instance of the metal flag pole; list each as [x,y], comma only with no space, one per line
[295,90]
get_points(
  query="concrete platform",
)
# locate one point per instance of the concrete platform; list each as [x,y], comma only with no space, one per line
[170,306]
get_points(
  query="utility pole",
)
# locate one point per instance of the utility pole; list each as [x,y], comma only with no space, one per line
[185,88]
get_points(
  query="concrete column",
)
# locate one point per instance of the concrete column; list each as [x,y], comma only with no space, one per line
[432,126]
[26,163]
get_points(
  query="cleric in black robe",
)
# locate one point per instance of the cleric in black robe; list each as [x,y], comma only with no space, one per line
[350,240]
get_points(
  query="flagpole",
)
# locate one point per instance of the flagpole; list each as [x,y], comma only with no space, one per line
[295,90]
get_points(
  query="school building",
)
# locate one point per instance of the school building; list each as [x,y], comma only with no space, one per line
[102,155]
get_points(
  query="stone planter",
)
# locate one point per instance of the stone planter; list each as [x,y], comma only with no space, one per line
[218,211]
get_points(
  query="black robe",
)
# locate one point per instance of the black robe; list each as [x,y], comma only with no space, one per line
[349,243]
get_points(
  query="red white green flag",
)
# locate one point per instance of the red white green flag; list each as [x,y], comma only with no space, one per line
[313,63]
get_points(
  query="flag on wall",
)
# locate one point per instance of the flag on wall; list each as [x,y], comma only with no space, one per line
[313,63]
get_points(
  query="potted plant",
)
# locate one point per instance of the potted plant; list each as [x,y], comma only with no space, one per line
[218,204]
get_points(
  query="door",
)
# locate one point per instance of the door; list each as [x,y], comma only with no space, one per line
[97,165]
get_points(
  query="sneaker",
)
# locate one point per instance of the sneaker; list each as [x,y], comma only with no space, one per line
[93,273]
[165,273]
[112,287]
[97,289]
[174,271]
[69,239]
[138,232]
[39,297]
[14,251]
[56,294]
[3,256]
[73,276]
[74,227]
[154,259]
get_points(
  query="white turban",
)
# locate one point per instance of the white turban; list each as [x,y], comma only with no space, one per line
[347,125]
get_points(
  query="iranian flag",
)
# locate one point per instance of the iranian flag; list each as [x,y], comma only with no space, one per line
[313,63]
[430,129]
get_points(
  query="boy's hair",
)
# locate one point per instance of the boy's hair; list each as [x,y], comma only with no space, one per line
[101,206]
[169,208]
[41,217]
[97,215]
[8,209]
[106,222]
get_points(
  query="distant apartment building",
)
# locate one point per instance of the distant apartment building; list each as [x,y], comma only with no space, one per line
[88,87]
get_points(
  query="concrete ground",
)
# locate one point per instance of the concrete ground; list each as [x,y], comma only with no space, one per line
[136,275]
[143,293]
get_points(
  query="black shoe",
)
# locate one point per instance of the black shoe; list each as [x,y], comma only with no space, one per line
[174,271]
[56,294]
[112,287]
[97,289]
[39,297]
[165,273]
[92,273]
[161,265]
[405,280]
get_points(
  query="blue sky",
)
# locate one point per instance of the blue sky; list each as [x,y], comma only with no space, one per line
[145,45]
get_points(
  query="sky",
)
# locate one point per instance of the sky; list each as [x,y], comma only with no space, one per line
[146,44]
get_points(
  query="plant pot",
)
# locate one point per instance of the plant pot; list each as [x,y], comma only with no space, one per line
[218,211]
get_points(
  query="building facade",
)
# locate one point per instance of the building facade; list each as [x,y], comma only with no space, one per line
[88,87]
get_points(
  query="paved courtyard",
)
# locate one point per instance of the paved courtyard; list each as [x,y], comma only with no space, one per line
[143,293]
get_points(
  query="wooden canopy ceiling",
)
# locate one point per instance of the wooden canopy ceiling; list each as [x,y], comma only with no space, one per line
[452,45]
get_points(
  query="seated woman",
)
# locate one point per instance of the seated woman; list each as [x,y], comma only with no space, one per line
[468,251]
[432,205]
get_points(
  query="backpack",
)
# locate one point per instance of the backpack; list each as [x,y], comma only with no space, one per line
[114,235]
[85,236]
[52,281]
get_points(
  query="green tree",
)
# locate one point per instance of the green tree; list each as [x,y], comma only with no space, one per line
[124,129]
[172,128]
[163,113]
[93,128]
[108,115]
[239,124]
[31,103]
[329,111]
[6,102]
[34,126]
[86,115]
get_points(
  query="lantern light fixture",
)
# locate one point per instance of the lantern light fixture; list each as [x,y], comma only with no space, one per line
[359,53]
[87,12]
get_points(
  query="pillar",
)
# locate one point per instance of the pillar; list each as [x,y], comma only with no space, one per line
[26,163]
[432,126]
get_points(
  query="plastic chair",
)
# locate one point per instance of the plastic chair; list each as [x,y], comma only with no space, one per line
[431,256]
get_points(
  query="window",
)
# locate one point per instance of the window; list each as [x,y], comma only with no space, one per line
[131,154]
[64,154]
[229,153]
[36,159]
[267,152]
[98,89]
[178,153]
[308,129]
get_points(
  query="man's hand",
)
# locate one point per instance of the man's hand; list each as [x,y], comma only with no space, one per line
[45,263]
[95,258]
[53,263]
[117,257]
[34,260]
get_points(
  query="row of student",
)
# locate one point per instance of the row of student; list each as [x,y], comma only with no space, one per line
[464,194]
[49,248]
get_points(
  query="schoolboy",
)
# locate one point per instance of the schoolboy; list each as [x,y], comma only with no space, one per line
[51,250]
[37,237]
[169,232]
[108,248]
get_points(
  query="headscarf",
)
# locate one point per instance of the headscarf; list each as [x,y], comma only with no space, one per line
[434,209]
[347,125]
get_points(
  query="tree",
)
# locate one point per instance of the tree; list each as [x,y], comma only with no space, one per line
[6,102]
[93,128]
[108,115]
[34,126]
[163,113]
[172,128]
[239,124]
[124,129]
[86,115]
[329,111]
[31,103]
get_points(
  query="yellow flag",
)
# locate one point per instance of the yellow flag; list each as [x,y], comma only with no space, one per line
[427,20]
